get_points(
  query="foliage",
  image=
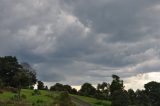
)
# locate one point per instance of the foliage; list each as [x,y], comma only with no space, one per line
[36,92]
[116,84]
[132,96]
[152,89]
[142,99]
[120,98]
[14,74]
[87,90]
[40,85]
[61,87]
[103,91]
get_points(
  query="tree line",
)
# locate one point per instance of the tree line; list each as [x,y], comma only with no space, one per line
[116,93]
[22,75]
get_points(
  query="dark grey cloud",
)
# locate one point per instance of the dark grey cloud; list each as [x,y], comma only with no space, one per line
[74,41]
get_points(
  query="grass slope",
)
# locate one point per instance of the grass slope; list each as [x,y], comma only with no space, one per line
[46,98]
[93,101]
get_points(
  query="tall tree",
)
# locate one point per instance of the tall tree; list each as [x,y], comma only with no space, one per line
[87,90]
[152,89]
[13,74]
[103,90]
[40,85]
[57,87]
[120,98]
[132,96]
[9,66]
[116,84]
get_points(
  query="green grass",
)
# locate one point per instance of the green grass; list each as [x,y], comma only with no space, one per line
[6,95]
[46,98]
[93,101]
[35,98]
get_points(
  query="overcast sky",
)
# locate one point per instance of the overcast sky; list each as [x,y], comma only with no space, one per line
[77,41]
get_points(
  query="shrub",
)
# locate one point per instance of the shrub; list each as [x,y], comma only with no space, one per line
[40,101]
[15,98]
[23,96]
[36,92]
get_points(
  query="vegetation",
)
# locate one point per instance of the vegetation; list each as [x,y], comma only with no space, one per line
[15,76]
[61,87]
[31,98]
[93,101]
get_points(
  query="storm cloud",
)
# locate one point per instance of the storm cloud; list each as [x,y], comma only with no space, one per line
[77,41]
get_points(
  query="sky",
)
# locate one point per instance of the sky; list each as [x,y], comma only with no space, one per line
[78,41]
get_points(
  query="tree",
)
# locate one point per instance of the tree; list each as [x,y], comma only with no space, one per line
[67,88]
[57,87]
[103,90]
[116,84]
[9,66]
[120,98]
[74,91]
[13,74]
[152,89]
[46,87]
[87,90]
[142,98]
[22,79]
[132,96]
[40,85]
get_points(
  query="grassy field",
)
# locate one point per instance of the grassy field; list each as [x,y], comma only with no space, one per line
[45,98]
[93,101]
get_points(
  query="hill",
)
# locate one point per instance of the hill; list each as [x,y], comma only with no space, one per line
[34,98]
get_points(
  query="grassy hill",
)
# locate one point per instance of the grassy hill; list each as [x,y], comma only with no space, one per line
[44,98]
[34,98]
[93,101]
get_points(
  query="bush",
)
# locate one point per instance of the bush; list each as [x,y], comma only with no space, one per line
[23,96]
[15,98]
[40,101]
[36,92]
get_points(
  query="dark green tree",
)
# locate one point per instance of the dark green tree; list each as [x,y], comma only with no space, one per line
[40,85]
[116,84]
[120,98]
[57,87]
[13,74]
[23,79]
[132,96]
[46,87]
[9,66]
[103,90]
[152,89]
[74,91]
[142,99]
[87,90]
[67,88]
